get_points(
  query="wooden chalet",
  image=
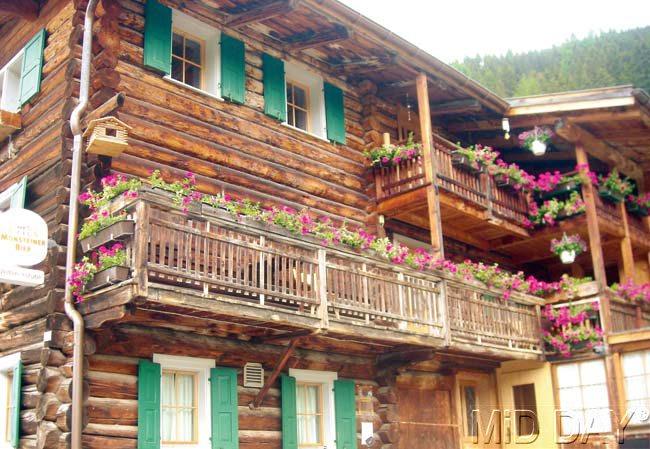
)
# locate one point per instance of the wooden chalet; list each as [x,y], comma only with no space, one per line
[226,333]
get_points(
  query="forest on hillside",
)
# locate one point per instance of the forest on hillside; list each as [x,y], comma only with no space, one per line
[607,59]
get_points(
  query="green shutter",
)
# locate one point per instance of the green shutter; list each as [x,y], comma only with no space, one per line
[233,78]
[334,114]
[289,412]
[32,69]
[16,388]
[225,420]
[149,378]
[275,89]
[158,37]
[345,410]
[19,195]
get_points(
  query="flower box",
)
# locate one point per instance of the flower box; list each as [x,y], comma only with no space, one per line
[504,181]
[109,276]
[117,231]
[559,190]
[462,162]
[636,209]
[610,196]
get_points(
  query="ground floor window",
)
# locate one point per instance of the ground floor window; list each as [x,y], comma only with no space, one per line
[315,408]
[636,372]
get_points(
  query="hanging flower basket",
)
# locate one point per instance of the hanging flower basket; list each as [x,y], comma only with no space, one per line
[536,140]
[568,247]
[119,230]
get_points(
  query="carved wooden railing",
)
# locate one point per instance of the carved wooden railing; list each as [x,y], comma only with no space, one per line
[210,254]
[480,317]
[479,190]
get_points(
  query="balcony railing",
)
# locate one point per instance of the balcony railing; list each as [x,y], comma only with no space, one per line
[209,254]
[479,190]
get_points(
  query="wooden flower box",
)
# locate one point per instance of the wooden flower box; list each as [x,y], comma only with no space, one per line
[109,276]
[610,196]
[562,188]
[504,182]
[462,162]
[117,231]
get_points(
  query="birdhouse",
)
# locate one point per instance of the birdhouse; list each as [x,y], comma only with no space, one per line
[106,136]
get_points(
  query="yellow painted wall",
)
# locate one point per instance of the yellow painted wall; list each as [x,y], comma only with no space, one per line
[527,372]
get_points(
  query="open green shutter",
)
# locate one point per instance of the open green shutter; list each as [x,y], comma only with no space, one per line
[334,114]
[158,37]
[289,412]
[232,69]
[19,195]
[275,90]
[149,377]
[345,410]
[225,420]
[32,69]
[16,388]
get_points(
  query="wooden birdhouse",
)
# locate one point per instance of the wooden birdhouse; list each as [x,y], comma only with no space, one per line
[106,136]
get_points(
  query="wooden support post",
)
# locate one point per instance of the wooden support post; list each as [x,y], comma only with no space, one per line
[430,166]
[626,246]
[284,358]
[322,288]
[141,247]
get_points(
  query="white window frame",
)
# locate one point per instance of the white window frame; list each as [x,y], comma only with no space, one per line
[579,413]
[326,379]
[202,368]
[7,365]
[10,83]
[316,116]
[211,52]
[641,406]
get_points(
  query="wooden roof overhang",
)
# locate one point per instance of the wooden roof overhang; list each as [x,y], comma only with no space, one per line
[344,44]
[613,123]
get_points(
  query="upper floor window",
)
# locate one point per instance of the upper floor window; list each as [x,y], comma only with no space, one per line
[582,390]
[187,59]
[305,100]
[10,84]
[10,372]
[636,372]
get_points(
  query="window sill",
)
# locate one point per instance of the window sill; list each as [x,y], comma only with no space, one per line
[171,80]
[302,131]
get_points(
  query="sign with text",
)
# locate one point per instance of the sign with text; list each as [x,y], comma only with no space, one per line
[23,243]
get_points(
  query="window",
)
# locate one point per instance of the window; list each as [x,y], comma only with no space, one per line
[582,391]
[636,372]
[10,84]
[305,100]
[187,59]
[526,406]
[184,401]
[469,401]
[298,106]
[195,54]
[315,408]
[8,401]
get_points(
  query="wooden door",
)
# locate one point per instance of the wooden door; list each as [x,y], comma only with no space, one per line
[476,391]
[425,405]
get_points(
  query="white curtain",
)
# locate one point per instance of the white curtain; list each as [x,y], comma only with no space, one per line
[309,414]
[177,397]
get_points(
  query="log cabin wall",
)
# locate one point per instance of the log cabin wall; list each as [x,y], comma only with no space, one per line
[236,148]
[112,376]
[32,321]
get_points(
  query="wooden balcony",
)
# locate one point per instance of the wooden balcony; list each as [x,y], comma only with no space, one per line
[263,282]
[473,208]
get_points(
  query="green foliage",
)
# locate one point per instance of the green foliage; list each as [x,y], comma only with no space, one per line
[608,59]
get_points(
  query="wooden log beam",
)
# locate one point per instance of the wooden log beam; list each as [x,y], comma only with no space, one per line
[261,13]
[455,107]
[577,135]
[26,9]
[627,252]
[106,108]
[285,336]
[303,41]
[284,358]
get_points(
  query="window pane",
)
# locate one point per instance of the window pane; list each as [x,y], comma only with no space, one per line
[10,408]
[301,119]
[635,387]
[300,97]
[570,398]
[177,69]
[289,93]
[193,75]
[470,405]
[167,390]
[598,420]
[193,51]
[177,45]
[572,422]
[185,390]
[309,430]
[568,375]
[309,410]
[592,372]
[595,396]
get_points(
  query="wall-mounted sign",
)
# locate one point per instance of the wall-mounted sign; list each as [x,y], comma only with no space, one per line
[23,243]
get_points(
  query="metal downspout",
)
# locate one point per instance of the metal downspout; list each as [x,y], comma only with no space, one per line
[70,310]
